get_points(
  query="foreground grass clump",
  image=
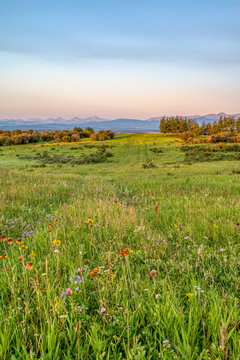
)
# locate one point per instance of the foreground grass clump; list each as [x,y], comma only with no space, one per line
[117,261]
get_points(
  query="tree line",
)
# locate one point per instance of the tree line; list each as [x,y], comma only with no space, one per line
[180,125]
[17,137]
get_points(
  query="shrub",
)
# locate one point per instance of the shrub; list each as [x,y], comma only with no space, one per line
[156,150]
[149,165]
[102,135]
[99,156]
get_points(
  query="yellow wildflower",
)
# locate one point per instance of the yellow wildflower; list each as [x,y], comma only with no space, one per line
[57,242]
[32,254]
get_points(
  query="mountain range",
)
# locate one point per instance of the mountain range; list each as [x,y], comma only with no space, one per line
[97,123]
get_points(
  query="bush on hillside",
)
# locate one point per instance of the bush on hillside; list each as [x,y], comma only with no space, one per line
[102,135]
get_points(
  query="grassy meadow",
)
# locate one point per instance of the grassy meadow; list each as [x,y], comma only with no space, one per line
[134,256]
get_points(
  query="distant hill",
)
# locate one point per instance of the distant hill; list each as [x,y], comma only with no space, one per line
[117,125]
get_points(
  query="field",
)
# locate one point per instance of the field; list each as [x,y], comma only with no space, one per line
[133,256]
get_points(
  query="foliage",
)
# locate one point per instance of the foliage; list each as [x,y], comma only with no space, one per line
[102,135]
[99,156]
[223,130]
[201,153]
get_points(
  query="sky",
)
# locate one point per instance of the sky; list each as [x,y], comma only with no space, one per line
[119,58]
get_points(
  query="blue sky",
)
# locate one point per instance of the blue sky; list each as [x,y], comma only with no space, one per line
[119,58]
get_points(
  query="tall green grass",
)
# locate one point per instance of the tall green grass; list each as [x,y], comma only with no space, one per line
[189,310]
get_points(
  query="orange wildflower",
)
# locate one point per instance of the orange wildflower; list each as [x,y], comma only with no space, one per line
[3,236]
[20,258]
[124,252]
[95,271]
[9,240]
[19,240]
[3,256]
[92,274]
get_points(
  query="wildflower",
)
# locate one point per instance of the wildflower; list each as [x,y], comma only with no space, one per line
[19,241]
[57,242]
[23,247]
[175,225]
[3,237]
[57,251]
[78,281]
[32,254]
[153,273]
[121,308]
[44,274]
[92,274]
[63,294]
[20,258]
[3,256]
[158,295]
[221,250]
[95,270]
[112,276]
[69,291]
[89,220]
[79,308]
[7,269]
[165,341]
[189,295]
[29,265]
[62,316]
[56,220]
[215,226]
[238,224]
[124,252]
[103,310]
[9,240]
